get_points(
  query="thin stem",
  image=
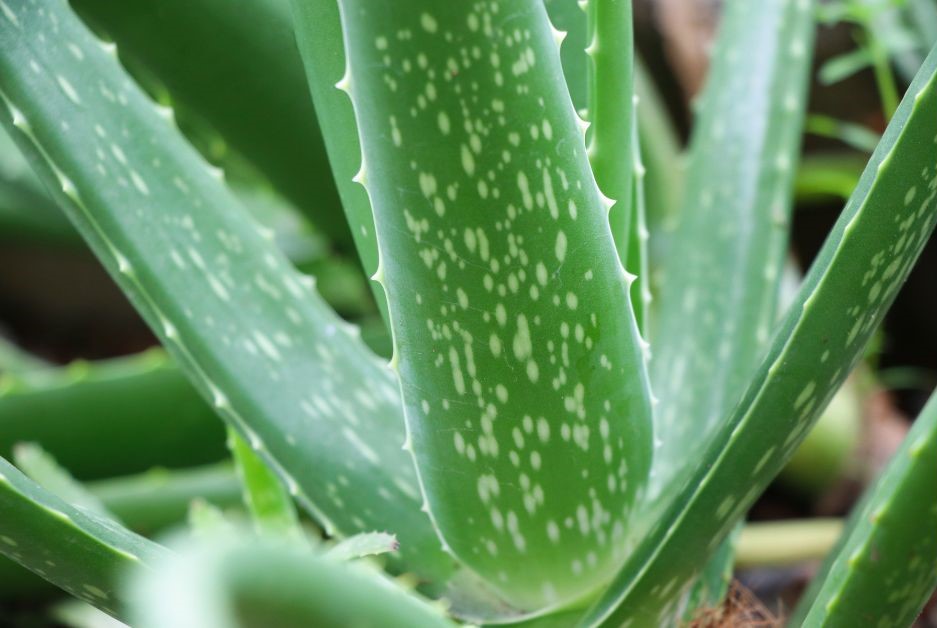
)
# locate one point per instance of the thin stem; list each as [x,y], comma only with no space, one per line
[786,542]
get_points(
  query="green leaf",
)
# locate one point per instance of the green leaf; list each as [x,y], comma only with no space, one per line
[226,583]
[108,417]
[240,71]
[319,35]
[841,67]
[267,499]
[884,568]
[365,544]
[146,503]
[249,331]
[43,469]
[721,277]
[710,588]
[611,112]
[151,501]
[520,361]
[661,154]
[852,135]
[867,257]
[70,547]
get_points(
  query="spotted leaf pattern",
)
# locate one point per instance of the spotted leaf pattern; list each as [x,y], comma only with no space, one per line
[251,333]
[520,362]
[81,552]
[866,258]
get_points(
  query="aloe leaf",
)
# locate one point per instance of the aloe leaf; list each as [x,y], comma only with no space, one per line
[249,331]
[611,111]
[319,36]
[151,501]
[710,588]
[362,545]
[43,469]
[865,260]
[724,263]
[499,247]
[146,503]
[267,499]
[614,150]
[108,417]
[70,547]
[884,568]
[227,583]
[77,614]
[230,67]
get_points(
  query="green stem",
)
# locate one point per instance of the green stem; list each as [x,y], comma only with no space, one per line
[777,543]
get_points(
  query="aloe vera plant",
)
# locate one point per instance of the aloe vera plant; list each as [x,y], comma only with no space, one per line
[557,439]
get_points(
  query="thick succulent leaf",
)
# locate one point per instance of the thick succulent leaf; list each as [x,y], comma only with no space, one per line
[611,110]
[226,584]
[884,568]
[146,503]
[74,549]
[865,260]
[265,495]
[249,331]
[239,70]
[43,469]
[364,544]
[569,18]
[520,361]
[108,418]
[319,35]
[724,263]
[614,150]
[710,588]
[151,501]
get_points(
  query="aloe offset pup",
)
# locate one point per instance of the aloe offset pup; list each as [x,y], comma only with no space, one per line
[576,447]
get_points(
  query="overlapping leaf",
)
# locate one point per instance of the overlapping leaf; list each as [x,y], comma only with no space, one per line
[521,368]
[867,257]
[720,278]
[885,566]
[80,552]
[224,583]
[251,333]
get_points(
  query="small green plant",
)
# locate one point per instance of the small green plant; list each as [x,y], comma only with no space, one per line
[584,398]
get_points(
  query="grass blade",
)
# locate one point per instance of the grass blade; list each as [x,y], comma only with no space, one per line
[500,247]
[865,260]
[250,332]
